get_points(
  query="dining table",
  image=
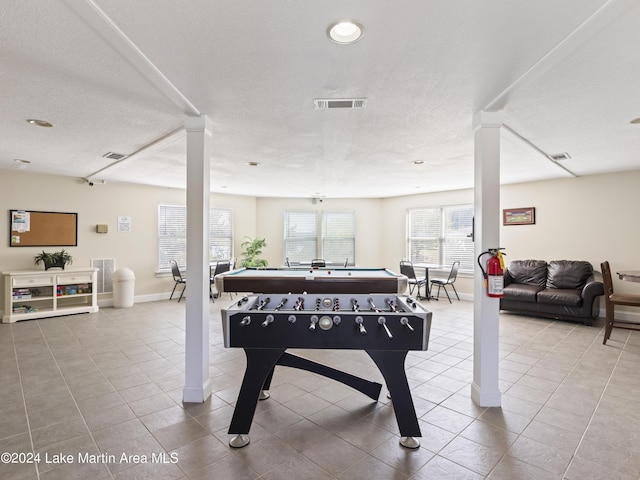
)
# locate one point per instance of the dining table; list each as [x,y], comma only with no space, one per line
[630,276]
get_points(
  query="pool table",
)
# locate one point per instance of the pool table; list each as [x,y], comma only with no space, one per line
[311,280]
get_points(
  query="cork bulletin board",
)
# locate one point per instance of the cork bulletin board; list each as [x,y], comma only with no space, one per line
[29,228]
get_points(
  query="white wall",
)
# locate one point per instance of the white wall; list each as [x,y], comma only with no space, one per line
[136,250]
[369,225]
[394,235]
[591,218]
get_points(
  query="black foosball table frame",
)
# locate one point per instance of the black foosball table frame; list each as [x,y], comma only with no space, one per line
[385,327]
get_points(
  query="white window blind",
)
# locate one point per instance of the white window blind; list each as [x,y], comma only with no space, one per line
[439,236]
[300,236]
[172,235]
[220,234]
[338,237]
[457,245]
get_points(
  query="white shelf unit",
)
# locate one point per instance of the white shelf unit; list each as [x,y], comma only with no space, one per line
[30,294]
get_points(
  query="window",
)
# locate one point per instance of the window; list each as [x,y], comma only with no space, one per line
[439,236]
[220,234]
[339,237]
[172,235]
[300,236]
[333,240]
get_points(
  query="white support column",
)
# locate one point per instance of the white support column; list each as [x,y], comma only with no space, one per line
[484,389]
[197,386]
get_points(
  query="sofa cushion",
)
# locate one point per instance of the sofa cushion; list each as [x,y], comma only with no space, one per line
[568,274]
[521,293]
[528,272]
[559,296]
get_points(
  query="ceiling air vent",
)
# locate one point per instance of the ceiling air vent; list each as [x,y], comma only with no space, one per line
[327,103]
[114,156]
[560,156]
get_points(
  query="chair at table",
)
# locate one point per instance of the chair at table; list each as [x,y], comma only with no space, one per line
[318,263]
[178,278]
[406,269]
[443,282]
[220,267]
[611,300]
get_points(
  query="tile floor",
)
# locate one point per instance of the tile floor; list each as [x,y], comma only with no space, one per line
[85,394]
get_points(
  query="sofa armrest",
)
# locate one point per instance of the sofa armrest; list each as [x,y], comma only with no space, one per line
[507,278]
[591,290]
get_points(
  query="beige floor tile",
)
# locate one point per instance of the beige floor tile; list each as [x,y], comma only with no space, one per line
[114,379]
[179,434]
[440,467]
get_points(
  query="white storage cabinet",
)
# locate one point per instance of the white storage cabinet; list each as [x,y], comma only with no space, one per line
[30,294]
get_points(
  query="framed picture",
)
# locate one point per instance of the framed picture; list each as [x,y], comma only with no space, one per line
[519,216]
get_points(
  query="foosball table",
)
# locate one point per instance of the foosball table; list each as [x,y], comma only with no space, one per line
[385,326]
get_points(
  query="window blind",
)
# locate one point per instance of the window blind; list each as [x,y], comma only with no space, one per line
[172,235]
[439,236]
[300,236]
[338,237]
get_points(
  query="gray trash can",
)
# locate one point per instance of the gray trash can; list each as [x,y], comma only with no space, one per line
[123,286]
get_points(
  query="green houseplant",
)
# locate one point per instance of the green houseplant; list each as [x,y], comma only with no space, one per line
[56,259]
[252,249]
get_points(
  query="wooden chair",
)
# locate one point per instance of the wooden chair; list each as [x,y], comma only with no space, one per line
[612,299]
[406,269]
[443,282]
[178,279]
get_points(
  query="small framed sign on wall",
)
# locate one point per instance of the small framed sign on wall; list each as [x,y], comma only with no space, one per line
[519,216]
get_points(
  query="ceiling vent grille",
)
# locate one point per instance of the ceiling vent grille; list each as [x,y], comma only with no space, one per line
[328,103]
[558,157]
[114,156]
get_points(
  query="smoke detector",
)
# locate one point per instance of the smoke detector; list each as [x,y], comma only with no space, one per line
[328,103]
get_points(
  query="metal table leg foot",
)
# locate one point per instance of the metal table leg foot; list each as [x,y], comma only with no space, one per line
[239,441]
[410,442]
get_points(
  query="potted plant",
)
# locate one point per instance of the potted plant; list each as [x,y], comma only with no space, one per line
[56,259]
[252,249]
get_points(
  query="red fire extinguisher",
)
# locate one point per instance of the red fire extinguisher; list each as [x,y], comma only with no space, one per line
[493,275]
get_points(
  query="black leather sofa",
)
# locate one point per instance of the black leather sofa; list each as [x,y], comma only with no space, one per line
[560,289]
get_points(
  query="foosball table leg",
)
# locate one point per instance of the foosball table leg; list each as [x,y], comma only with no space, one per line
[264,393]
[260,365]
[391,365]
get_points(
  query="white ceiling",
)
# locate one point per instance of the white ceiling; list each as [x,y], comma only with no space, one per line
[122,76]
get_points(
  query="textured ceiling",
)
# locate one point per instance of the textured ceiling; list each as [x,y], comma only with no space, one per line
[122,76]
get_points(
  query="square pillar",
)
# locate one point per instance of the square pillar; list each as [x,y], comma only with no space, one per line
[197,386]
[484,389]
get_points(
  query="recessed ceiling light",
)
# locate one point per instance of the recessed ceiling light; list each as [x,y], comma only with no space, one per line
[345,32]
[39,123]
[635,121]
[418,162]
[253,164]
